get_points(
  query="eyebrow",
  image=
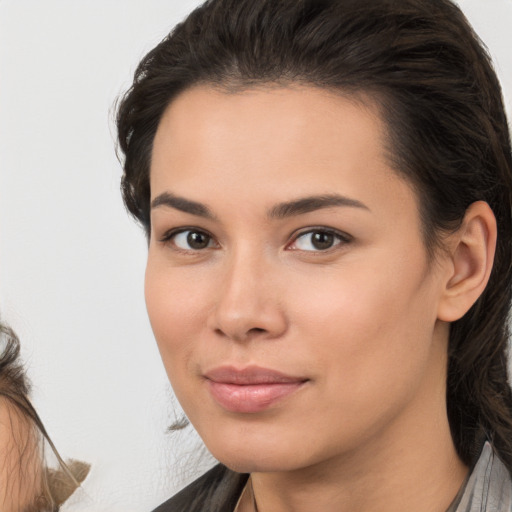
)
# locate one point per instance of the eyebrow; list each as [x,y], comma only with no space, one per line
[182,204]
[312,203]
[279,211]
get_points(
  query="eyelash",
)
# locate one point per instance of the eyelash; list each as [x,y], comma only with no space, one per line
[338,237]
[170,237]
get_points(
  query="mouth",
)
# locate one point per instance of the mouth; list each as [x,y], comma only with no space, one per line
[252,389]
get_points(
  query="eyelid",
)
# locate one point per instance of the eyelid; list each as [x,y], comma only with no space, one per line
[343,237]
[168,236]
[169,233]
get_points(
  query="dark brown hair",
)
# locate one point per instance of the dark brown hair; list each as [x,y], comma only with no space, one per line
[448,134]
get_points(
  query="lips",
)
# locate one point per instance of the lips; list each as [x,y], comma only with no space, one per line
[252,389]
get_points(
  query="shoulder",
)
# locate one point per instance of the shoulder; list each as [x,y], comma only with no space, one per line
[489,487]
[215,491]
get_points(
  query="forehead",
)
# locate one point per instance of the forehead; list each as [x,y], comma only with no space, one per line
[286,109]
[275,141]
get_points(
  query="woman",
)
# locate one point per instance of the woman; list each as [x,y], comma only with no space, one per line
[326,191]
[26,484]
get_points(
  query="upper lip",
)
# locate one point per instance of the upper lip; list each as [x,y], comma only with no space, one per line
[250,375]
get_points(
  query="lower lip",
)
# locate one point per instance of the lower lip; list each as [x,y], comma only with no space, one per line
[251,398]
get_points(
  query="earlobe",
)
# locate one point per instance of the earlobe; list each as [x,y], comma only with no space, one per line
[472,256]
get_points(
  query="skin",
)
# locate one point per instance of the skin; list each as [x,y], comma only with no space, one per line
[365,321]
[21,465]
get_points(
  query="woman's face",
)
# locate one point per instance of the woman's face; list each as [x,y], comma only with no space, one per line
[287,282]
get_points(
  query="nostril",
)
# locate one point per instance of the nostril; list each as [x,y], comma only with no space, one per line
[256,330]
[243,321]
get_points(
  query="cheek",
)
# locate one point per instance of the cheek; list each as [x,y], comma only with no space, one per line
[372,325]
[176,309]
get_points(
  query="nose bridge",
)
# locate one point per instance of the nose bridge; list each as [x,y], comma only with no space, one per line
[247,302]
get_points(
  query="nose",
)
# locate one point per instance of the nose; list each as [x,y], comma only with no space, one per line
[249,303]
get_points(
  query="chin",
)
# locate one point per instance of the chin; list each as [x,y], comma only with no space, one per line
[256,464]
[256,455]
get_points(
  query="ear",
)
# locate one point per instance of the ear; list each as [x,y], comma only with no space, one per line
[471,256]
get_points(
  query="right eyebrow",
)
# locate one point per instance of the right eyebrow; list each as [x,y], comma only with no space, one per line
[182,204]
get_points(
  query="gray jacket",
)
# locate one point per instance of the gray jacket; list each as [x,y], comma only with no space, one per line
[488,487]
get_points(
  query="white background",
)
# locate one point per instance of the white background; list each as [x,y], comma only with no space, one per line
[72,262]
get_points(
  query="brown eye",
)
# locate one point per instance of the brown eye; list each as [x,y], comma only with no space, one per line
[191,240]
[198,240]
[318,240]
[322,241]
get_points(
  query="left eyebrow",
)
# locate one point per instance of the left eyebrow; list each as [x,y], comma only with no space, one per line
[312,203]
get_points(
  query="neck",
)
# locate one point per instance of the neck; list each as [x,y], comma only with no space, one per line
[395,480]
[411,464]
